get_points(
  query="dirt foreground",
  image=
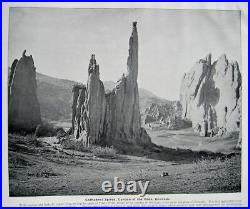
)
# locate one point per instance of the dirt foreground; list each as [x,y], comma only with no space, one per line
[42,169]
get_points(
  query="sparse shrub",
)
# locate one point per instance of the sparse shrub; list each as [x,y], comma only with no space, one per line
[32,139]
[45,130]
[72,144]
[205,164]
[139,175]
[18,161]
[105,152]
[41,170]
[61,133]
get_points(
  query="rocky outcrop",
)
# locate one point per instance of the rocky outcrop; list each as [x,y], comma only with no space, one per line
[114,117]
[24,109]
[210,96]
[167,115]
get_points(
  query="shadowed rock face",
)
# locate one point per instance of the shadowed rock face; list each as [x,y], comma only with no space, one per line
[79,94]
[11,74]
[210,96]
[24,109]
[114,117]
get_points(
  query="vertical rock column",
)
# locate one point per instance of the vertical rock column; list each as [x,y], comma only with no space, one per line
[123,120]
[95,104]
[24,108]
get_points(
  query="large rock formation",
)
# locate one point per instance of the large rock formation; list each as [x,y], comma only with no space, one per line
[210,96]
[24,109]
[114,117]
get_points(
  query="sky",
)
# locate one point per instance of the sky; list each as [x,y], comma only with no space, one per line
[61,42]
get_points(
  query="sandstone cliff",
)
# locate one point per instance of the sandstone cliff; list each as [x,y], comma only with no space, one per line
[210,96]
[24,109]
[114,117]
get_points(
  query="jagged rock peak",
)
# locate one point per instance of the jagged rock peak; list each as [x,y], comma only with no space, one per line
[206,60]
[223,60]
[93,66]
[223,57]
[209,59]
[24,53]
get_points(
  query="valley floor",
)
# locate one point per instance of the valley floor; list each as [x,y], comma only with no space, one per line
[41,169]
[187,139]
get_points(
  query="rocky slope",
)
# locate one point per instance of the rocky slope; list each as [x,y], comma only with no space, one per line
[24,108]
[114,117]
[167,115]
[210,96]
[147,98]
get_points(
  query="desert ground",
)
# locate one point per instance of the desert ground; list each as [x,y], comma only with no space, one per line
[194,164]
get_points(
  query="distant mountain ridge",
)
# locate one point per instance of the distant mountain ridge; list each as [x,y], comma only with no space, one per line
[55,97]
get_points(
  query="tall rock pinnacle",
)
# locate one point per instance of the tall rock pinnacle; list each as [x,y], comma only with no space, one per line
[95,104]
[132,62]
[113,118]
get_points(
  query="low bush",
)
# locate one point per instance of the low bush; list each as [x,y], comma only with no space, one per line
[72,144]
[46,130]
[104,152]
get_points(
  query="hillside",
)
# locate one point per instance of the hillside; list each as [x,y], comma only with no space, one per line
[55,97]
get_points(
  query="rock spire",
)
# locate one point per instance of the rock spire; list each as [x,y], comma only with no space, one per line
[24,108]
[114,117]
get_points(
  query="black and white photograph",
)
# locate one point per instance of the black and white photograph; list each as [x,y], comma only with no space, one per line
[124,101]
